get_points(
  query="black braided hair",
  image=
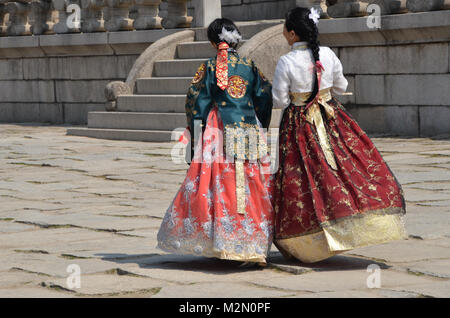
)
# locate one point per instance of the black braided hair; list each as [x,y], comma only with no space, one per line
[298,20]
[215,29]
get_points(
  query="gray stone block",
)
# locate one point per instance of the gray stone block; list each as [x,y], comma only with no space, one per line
[231,2]
[395,29]
[143,36]
[420,5]
[25,112]
[123,134]
[258,10]
[51,113]
[205,12]
[11,69]
[97,67]
[31,112]
[27,91]
[78,113]
[152,103]
[399,59]
[387,120]
[135,42]
[129,120]
[195,50]
[370,89]
[75,44]
[177,68]
[6,113]
[434,120]
[403,89]
[76,68]
[38,68]
[348,9]
[20,46]
[91,91]
[124,65]
[163,85]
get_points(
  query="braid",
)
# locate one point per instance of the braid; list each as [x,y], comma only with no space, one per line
[313,44]
[298,20]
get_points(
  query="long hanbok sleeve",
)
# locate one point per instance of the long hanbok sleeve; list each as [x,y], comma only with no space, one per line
[262,98]
[281,85]
[339,81]
[198,100]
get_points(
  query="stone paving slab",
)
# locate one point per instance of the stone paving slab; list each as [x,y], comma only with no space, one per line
[109,284]
[222,290]
[99,203]
[438,289]
[410,250]
[436,268]
[31,292]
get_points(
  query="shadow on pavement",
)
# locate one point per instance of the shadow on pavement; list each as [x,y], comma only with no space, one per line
[223,267]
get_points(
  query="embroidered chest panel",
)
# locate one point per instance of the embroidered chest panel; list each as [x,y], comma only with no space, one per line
[237,86]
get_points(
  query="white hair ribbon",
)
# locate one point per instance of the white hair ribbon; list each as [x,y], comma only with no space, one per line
[314,15]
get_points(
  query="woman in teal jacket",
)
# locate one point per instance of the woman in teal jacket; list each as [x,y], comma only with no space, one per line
[223,207]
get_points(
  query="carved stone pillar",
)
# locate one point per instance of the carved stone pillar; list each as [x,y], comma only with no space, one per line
[92,16]
[446,5]
[117,16]
[18,18]
[63,24]
[428,5]
[3,20]
[206,11]
[348,8]
[41,16]
[177,15]
[390,6]
[147,15]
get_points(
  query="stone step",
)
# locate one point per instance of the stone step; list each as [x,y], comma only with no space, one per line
[163,85]
[197,50]
[151,103]
[125,134]
[133,120]
[177,68]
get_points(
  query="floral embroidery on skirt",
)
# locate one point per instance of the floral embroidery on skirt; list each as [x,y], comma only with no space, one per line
[359,204]
[203,219]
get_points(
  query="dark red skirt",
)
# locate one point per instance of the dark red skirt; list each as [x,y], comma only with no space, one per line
[359,204]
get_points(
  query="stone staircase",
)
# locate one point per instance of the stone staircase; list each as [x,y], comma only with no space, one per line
[157,107]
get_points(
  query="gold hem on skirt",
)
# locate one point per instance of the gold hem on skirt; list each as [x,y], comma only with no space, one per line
[214,253]
[309,248]
[344,235]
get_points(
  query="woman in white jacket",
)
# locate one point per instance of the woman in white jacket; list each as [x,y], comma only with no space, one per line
[333,191]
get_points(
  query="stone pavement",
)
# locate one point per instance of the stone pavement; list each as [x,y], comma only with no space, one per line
[99,203]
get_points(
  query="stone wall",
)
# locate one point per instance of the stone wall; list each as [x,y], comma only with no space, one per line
[399,74]
[245,10]
[59,78]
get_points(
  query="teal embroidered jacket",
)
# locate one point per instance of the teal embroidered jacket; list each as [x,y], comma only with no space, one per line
[249,95]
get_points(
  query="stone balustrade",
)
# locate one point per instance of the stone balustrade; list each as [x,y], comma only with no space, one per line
[26,17]
[358,8]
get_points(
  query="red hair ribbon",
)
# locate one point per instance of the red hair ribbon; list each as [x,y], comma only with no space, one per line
[319,67]
[222,65]
[319,70]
